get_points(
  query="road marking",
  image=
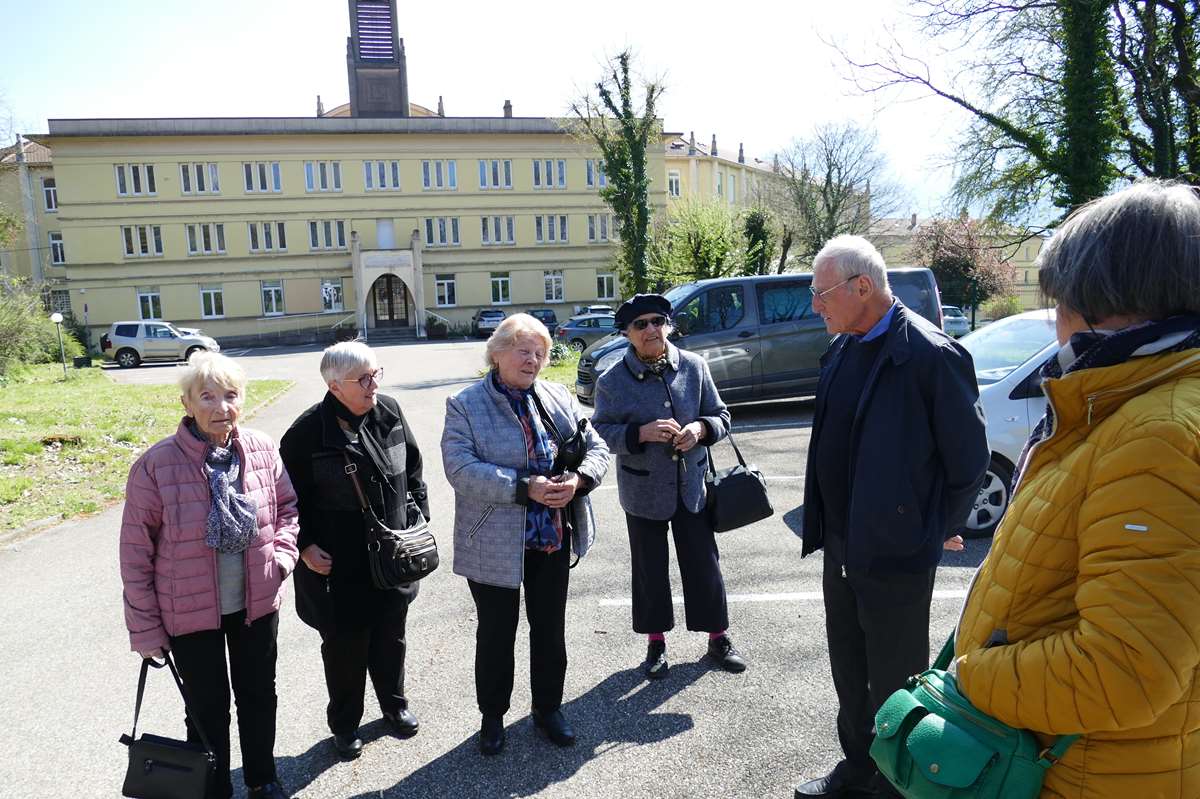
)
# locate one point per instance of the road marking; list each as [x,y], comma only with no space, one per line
[769,477]
[770,426]
[797,596]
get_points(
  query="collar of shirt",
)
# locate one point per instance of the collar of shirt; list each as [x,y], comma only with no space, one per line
[881,326]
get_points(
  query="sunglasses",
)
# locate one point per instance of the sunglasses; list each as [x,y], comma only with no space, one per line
[642,324]
[370,377]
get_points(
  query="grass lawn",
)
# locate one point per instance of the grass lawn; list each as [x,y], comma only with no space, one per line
[66,446]
[563,371]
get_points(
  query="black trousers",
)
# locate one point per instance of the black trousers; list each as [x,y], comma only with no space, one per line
[877,627]
[704,605]
[545,581]
[200,658]
[350,654]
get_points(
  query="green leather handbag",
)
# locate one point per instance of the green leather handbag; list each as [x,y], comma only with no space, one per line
[931,743]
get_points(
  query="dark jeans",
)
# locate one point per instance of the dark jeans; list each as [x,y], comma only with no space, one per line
[877,627]
[200,658]
[350,655]
[546,579]
[704,604]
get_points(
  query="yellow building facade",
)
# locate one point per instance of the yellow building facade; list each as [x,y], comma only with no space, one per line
[701,172]
[28,192]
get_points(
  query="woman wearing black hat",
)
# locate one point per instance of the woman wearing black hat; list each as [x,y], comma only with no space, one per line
[653,408]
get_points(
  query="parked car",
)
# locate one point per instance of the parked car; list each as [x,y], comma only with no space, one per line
[547,317]
[580,332]
[759,334]
[591,309]
[486,320]
[1008,355]
[131,343]
[954,321]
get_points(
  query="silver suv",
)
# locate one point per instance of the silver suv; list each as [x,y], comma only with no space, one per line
[130,343]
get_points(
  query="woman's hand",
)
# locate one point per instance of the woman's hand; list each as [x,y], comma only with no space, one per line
[953,544]
[156,654]
[562,490]
[317,559]
[662,430]
[689,436]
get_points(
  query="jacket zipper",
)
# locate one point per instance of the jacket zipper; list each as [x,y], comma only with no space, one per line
[986,724]
[475,528]
[525,446]
[1091,398]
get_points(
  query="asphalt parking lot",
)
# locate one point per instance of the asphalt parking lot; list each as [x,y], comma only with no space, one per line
[70,679]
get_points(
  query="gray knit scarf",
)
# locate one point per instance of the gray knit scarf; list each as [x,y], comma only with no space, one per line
[232,521]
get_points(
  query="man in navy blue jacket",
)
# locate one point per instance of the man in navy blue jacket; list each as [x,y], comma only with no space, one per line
[897,455]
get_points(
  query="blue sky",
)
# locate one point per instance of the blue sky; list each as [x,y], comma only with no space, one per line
[754,72]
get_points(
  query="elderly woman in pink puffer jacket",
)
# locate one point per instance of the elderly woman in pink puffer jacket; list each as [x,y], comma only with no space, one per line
[207,538]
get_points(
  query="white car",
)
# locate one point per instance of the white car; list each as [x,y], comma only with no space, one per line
[1008,356]
[131,343]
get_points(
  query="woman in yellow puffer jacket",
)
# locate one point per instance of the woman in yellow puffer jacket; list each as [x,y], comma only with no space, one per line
[1085,617]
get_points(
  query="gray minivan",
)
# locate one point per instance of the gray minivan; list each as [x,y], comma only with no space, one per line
[759,334]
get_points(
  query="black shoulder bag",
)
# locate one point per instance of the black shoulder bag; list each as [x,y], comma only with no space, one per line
[395,557]
[571,451]
[166,768]
[737,496]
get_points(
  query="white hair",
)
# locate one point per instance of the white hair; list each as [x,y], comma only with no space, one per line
[343,358]
[210,367]
[506,334]
[853,255]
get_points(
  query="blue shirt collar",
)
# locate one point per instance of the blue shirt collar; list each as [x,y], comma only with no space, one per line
[881,326]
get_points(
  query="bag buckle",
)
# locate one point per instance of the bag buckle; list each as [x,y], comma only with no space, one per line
[1048,755]
[350,468]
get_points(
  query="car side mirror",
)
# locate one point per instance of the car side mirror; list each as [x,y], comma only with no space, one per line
[1029,388]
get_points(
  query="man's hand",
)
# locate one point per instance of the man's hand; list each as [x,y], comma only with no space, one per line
[953,544]
[662,430]
[689,436]
[317,559]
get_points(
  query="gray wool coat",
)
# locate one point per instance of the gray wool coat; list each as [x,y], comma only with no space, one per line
[484,455]
[651,478]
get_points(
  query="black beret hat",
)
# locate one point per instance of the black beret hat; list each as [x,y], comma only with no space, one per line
[640,304]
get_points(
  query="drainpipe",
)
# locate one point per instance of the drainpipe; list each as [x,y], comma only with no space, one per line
[418,287]
[361,290]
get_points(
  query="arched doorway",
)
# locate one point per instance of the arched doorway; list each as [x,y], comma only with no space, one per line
[389,301]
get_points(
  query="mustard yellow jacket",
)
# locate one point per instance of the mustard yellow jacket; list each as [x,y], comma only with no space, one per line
[1085,616]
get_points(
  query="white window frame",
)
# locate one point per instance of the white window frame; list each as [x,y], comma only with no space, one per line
[441,231]
[262,177]
[216,302]
[199,178]
[599,226]
[731,187]
[606,286]
[495,173]
[381,175]
[153,299]
[58,251]
[497,231]
[439,175]
[674,187]
[551,229]
[552,283]
[549,173]
[266,237]
[141,241]
[322,177]
[326,234]
[333,297]
[501,284]
[205,238]
[720,192]
[60,300]
[596,176]
[445,291]
[135,180]
[276,289]
[50,195]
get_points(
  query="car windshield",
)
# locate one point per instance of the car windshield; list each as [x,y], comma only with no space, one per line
[950,310]
[678,294]
[1004,345]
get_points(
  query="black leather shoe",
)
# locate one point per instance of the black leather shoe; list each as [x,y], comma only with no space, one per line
[272,790]
[555,725]
[403,723]
[348,746]
[655,665]
[726,655]
[837,784]
[491,735]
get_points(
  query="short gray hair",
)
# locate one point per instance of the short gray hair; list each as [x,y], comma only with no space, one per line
[343,358]
[210,367]
[854,255]
[1132,253]
[505,336]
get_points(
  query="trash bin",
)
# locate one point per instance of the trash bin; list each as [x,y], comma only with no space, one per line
[83,362]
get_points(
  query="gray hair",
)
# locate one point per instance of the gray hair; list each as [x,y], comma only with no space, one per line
[505,336]
[854,255]
[343,358]
[211,367]
[1132,253]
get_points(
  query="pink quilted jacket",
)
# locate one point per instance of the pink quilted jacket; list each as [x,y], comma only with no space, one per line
[169,573]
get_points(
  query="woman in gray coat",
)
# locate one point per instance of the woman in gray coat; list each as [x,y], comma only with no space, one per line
[653,407]
[517,517]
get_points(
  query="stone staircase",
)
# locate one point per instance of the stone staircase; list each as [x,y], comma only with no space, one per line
[379,336]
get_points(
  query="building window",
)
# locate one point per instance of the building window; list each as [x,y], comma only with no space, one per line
[444,290]
[549,174]
[331,294]
[58,253]
[606,286]
[598,226]
[495,174]
[720,184]
[381,175]
[60,301]
[267,236]
[439,175]
[732,188]
[326,234]
[50,194]
[199,179]
[272,297]
[212,302]
[142,241]
[441,231]
[1026,275]
[263,176]
[206,239]
[135,180]
[501,289]
[149,303]
[673,183]
[497,230]
[595,174]
[322,176]
[553,280]
[550,229]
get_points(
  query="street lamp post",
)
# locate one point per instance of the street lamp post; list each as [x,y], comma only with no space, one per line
[57,319]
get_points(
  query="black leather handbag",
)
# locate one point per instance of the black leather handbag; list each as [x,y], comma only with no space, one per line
[571,451]
[737,496]
[395,557]
[166,768]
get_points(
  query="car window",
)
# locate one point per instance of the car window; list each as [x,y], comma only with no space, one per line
[606,322]
[128,331]
[157,331]
[1004,345]
[915,290]
[714,310]
[783,302]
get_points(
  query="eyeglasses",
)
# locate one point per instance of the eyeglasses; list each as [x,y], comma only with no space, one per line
[366,380]
[642,324]
[823,292]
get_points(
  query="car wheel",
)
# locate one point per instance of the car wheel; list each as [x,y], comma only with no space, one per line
[992,500]
[578,344]
[187,356]
[127,358]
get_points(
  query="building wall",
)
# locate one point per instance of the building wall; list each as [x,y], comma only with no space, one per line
[701,175]
[18,256]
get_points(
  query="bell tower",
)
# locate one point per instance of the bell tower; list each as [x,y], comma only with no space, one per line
[375,63]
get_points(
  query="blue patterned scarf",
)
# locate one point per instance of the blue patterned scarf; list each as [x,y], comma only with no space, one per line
[543,526]
[232,521]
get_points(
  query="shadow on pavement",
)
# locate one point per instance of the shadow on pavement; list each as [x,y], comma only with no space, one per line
[451,381]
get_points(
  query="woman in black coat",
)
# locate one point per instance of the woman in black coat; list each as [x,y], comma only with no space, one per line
[362,627]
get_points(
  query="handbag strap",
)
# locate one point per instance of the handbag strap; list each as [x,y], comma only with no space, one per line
[547,419]
[147,664]
[352,470]
[742,460]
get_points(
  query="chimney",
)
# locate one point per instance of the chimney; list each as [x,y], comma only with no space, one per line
[692,143]
[912,222]
[713,150]
[775,164]
[741,154]
[441,108]
[508,109]
[320,107]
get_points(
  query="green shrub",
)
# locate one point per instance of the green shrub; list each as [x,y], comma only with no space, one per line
[559,353]
[25,327]
[1002,306]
